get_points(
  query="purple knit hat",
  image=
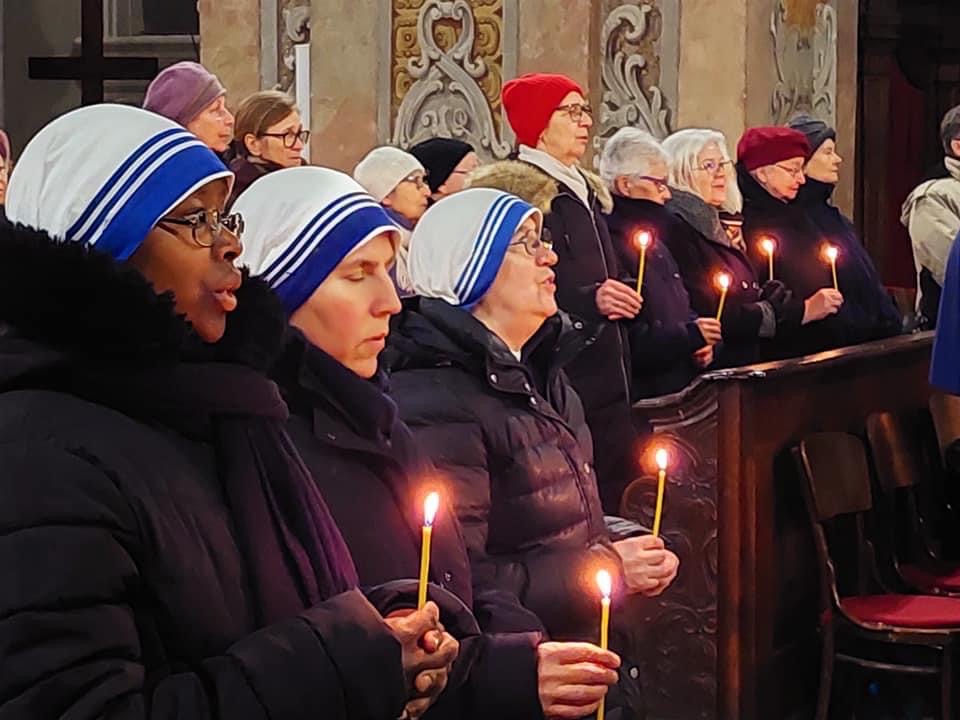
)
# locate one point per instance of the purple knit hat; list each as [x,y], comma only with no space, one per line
[4,147]
[182,91]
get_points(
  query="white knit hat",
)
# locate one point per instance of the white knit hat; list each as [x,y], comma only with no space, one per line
[383,169]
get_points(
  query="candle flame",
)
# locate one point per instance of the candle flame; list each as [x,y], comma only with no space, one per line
[430,506]
[643,239]
[723,281]
[662,458]
[831,252]
[604,583]
[768,246]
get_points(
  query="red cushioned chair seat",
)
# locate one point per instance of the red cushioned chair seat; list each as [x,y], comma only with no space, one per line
[946,578]
[909,611]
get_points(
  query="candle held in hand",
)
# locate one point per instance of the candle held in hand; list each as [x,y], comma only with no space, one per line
[723,282]
[605,583]
[662,460]
[769,247]
[430,506]
[643,242]
[831,254]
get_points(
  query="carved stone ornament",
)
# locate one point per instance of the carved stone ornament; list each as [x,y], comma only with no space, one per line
[805,56]
[629,96]
[295,30]
[447,97]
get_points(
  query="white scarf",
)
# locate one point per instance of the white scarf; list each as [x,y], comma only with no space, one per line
[569,176]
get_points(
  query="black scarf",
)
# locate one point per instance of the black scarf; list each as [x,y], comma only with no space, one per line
[78,322]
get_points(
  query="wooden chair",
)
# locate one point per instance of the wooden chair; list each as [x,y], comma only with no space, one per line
[863,626]
[913,511]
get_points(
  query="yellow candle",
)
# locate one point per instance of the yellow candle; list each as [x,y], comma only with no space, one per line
[643,240]
[723,282]
[430,506]
[831,253]
[769,247]
[605,584]
[662,459]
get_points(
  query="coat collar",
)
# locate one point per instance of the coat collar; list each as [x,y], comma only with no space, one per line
[703,218]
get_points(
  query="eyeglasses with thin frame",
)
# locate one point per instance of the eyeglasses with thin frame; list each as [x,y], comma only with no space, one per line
[713,167]
[533,242]
[290,137]
[576,111]
[659,183]
[418,179]
[215,223]
[794,172]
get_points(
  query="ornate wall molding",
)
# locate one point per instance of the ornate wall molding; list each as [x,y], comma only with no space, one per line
[805,57]
[448,60]
[283,24]
[639,43]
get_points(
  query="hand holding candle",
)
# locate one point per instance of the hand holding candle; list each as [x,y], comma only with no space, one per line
[430,506]
[769,247]
[643,241]
[723,281]
[605,583]
[831,253]
[662,461]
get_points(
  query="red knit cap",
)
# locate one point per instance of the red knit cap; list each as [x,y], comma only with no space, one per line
[761,146]
[531,99]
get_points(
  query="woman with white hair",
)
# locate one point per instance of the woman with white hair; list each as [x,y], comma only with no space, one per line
[669,344]
[703,183]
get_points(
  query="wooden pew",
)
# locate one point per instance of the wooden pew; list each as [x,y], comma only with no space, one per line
[736,637]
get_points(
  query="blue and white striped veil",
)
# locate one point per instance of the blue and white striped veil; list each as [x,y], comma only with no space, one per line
[300,223]
[458,246]
[104,175]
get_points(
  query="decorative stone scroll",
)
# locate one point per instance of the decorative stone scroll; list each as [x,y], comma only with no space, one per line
[805,55]
[447,72]
[634,38]
[283,25]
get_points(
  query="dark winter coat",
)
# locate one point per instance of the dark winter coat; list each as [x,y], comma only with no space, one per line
[664,336]
[247,172]
[373,479]
[751,317]
[512,441]
[129,587]
[601,373]
[801,231]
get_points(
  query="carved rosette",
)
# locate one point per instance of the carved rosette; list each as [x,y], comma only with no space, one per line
[294,29]
[805,57]
[447,73]
[630,74]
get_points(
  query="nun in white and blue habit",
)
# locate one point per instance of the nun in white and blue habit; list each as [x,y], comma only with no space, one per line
[303,225]
[163,550]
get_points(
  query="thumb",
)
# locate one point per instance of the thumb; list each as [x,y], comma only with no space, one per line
[425,619]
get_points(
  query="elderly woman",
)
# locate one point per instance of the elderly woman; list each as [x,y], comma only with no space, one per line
[192,96]
[164,552]
[478,373]
[6,163]
[867,313]
[448,162]
[669,344]
[552,122]
[268,136]
[340,299]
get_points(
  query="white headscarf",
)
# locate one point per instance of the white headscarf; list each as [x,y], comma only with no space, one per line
[104,175]
[459,244]
[300,223]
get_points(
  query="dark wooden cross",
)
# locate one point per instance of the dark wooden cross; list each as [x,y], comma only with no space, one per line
[92,68]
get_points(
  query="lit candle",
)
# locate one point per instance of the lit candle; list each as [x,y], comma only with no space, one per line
[430,506]
[643,241]
[831,252]
[606,587]
[769,247]
[723,282]
[662,460]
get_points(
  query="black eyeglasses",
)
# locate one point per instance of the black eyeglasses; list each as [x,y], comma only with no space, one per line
[290,137]
[659,183]
[534,242]
[576,111]
[214,221]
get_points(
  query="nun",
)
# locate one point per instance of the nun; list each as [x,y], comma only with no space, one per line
[327,247]
[164,551]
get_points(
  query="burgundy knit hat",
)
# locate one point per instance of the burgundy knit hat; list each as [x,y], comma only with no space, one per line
[531,99]
[182,91]
[762,146]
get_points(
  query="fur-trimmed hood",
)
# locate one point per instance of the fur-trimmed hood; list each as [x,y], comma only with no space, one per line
[66,304]
[530,183]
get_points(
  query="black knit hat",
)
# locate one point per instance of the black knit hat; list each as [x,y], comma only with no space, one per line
[440,156]
[817,131]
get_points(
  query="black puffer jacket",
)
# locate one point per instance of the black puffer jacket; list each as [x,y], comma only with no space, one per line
[127,590]
[372,477]
[512,440]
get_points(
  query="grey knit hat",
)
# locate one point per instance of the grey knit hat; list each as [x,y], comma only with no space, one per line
[817,131]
